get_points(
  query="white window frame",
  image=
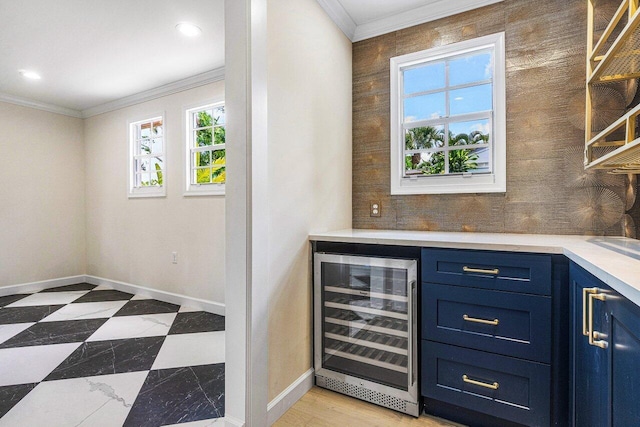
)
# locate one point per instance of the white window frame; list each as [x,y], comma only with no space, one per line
[494,182]
[191,188]
[148,191]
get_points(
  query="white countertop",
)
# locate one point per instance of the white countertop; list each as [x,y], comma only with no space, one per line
[614,260]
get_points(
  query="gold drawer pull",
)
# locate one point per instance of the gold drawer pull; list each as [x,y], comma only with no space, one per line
[494,271]
[493,322]
[493,386]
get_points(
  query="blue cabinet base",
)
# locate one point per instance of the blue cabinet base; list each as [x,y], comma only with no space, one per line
[462,415]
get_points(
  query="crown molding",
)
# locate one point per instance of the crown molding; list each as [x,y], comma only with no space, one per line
[336,12]
[51,108]
[148,95]
[431,12]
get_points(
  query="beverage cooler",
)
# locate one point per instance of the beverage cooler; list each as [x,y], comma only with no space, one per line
[365,328]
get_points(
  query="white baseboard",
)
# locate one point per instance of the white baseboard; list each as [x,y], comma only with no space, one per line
[285,400]
[233,422]
[39,286]
[209,306]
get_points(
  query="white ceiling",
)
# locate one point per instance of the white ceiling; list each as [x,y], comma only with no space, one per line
[97,55]
[363,19]
[92,52]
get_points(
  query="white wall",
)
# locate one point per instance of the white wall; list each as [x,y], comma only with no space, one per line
[309,168]
[41,196]
[131,240]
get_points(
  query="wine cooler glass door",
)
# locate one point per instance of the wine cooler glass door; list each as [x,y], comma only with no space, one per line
[365,324]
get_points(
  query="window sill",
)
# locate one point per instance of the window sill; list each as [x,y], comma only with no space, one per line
[449,185]
[219,190]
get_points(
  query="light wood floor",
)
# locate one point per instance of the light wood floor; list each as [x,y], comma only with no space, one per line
[324,408]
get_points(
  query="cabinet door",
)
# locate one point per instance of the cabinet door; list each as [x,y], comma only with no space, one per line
[624,349]
[590,374]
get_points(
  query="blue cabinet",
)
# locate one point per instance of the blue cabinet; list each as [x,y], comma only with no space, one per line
[494,332]
[605,354]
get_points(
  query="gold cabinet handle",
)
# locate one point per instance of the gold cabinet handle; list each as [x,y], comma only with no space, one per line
[585,291]
[493,386]
[493,271]
[592,333]
[493,322]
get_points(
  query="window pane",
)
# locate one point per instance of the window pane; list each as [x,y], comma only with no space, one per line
[424,107]
[427,77]
[156,145]
[144,147]
[219,157]
[203,118]
[469,160]
[156,178]
[143,180]
[466,133]
[424,137]
[218,116]
[470,69]
[203,137]
[202,158]
[144,130]
[156,163]
[218,174]
[424,164]
[471,99]
[157,128]
[219,135]
[203,176]
[142,165]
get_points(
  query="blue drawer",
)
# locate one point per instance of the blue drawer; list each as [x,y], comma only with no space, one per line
[505,271]
[467,317]
[521,391]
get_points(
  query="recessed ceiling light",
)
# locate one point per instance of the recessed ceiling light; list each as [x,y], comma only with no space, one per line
[31,75]
[189,29]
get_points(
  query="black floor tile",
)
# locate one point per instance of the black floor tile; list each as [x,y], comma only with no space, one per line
[180,395]
[54,333]
[197,321]
[68,288]
[28,314]
[12,394]
[105,295]
[109,357]
[9,299]
[146,306]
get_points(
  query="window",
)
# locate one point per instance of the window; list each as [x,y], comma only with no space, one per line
[448,128]
[206,168]
[147,158]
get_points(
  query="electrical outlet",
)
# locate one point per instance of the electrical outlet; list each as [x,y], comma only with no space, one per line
[174,257]
[375,209]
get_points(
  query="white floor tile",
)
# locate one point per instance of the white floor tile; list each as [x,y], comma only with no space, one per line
[188,309]
[8,331]
[202,348]
[86,310]
[102,288]
[140,296]
[103,400]
[48,298]
[147,325]
[24,365]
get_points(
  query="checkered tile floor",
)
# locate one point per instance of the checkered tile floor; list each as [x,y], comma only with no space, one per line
[81,355]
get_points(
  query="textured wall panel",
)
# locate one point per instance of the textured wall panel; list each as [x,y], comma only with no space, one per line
[548,190]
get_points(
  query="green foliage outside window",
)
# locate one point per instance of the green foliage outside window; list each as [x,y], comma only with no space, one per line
[460,160]
[214,134]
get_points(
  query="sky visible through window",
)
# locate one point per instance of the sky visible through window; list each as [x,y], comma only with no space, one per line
[431,77]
